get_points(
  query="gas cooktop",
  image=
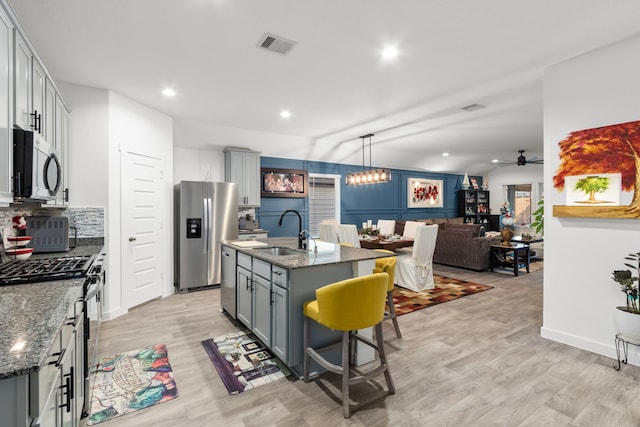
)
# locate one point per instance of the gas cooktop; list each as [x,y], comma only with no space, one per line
[44,269]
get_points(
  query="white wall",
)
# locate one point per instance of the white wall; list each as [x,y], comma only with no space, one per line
[198,165]
[138,129]
[596,89]
[103,125]
[511,175]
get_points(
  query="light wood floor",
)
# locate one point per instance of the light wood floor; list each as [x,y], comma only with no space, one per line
[475,361]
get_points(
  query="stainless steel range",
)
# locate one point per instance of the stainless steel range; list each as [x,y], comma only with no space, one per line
[45,269]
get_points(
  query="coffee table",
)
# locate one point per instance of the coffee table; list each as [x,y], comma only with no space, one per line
[521,256]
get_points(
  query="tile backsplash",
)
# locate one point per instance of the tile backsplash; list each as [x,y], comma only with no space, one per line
[88,220]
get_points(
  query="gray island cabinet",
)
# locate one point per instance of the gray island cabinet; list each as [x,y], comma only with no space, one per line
[273,284]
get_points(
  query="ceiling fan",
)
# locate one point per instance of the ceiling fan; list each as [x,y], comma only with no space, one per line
[521,160]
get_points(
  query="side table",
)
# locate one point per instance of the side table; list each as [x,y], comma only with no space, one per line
[622,341]
[521,256]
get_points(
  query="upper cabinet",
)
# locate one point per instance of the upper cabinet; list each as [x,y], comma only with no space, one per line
[243,168]
[29,100]
[22,82]
[6,108]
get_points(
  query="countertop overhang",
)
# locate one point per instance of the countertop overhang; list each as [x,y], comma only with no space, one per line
[326,253]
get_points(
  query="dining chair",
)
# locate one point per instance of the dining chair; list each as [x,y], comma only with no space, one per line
[348,233]
[410,228]
[388,265]
[329,232]
[347,306]
[414,269]
[387,226]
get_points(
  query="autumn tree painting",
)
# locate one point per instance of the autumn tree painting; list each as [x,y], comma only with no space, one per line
[608,149]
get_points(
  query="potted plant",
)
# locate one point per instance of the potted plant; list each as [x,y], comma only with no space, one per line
[538,216]
[627,318]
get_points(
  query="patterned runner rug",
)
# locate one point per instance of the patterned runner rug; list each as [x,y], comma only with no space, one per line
[242,362]
[446,289]
[127,382]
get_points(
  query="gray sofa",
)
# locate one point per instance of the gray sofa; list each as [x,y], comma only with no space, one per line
[460,245]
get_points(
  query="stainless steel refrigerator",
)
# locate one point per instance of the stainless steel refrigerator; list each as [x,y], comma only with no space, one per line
[205,214]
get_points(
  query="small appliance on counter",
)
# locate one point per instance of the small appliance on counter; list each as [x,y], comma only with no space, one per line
[248,222]
[48,233]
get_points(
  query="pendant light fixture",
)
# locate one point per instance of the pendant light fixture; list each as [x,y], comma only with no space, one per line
[371,176]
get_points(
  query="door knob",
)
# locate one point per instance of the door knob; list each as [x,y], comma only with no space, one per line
[132,238]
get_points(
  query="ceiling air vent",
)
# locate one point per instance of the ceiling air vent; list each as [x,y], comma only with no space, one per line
[474,107]
[276,43]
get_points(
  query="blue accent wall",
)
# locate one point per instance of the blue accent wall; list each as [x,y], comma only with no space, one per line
[359,202]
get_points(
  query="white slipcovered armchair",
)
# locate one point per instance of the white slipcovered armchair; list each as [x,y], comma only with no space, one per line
[387,226]
[329,232]
[414,268]
[348,233]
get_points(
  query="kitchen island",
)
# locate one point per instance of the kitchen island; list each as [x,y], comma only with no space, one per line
[271,282]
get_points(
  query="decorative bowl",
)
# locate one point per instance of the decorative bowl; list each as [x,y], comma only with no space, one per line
[19,241]
[19,253]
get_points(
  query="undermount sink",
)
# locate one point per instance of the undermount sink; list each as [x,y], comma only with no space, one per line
[278,251]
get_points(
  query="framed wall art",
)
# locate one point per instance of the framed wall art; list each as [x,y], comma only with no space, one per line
[283,182]
[424,193]
[598,171]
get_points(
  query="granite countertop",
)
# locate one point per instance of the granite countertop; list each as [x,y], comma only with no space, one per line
[33,313]
[327,253]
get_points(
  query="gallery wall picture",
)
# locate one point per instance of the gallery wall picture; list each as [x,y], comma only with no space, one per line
[284,182]
[424,193]
[599,172]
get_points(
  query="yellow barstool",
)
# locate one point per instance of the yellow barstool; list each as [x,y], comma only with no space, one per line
[388,265]
[347,306]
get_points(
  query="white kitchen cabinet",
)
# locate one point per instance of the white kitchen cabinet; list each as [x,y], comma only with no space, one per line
[38,88]
[244,301]
[6,108]
[22,84]
[61,143]
[243,168]
[263,302]
[262,309]
[279,322]
[49,112]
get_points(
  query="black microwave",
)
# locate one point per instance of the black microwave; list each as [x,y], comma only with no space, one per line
[37,172]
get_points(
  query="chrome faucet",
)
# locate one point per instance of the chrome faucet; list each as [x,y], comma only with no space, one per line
[301,244]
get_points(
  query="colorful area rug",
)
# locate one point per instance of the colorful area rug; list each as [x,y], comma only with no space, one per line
[127,382]
[446,289]
[242,362]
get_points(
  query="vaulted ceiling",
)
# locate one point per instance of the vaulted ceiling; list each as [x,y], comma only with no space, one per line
[335,83]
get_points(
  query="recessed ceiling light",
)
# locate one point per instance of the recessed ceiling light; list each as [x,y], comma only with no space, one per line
[390,52]
[495,161]
[445,154]
[285,114]
[168,92]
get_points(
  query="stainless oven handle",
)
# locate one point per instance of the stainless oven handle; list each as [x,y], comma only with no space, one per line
[93,290]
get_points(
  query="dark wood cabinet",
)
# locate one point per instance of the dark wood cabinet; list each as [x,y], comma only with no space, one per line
[473,206]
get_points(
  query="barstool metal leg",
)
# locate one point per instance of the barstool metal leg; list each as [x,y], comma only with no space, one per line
[305,341]
[346,365]
[383,358]
[392,313]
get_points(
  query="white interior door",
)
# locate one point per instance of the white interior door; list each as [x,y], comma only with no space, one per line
[142,204]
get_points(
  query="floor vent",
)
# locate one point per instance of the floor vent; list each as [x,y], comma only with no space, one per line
[276,43]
